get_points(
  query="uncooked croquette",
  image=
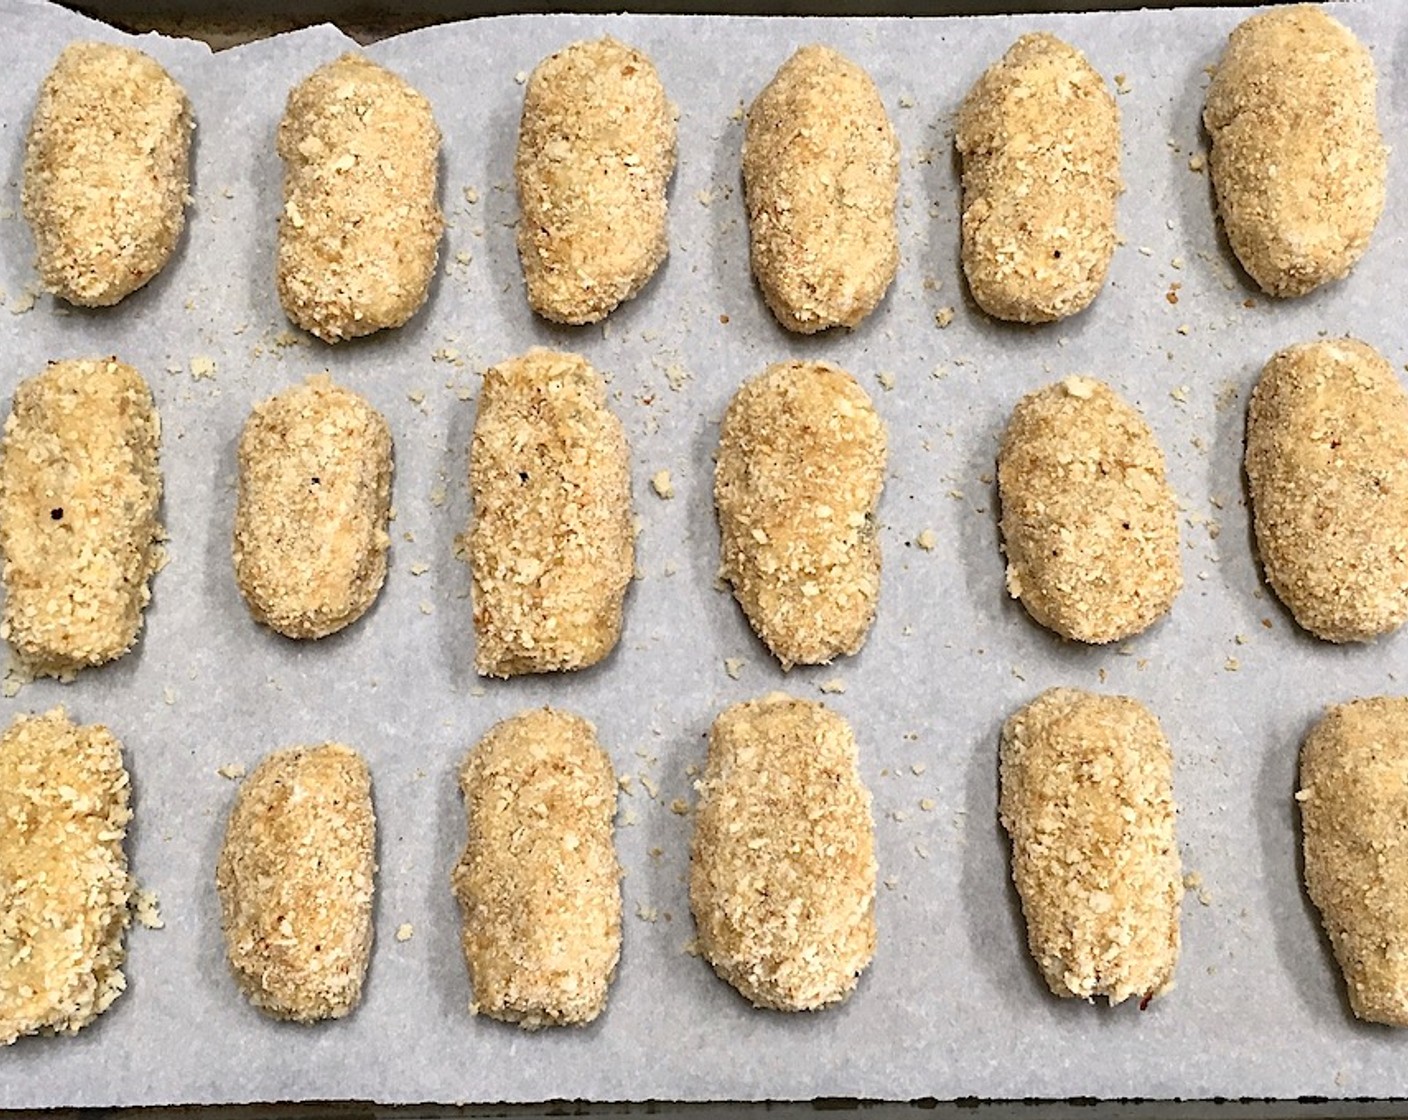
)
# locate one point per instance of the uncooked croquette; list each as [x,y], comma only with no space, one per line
[1089,521]
[538,882]
[821,178]
[800,467]
[782,863]
[1327,473]
[1087,798]
[106,172]
[64,885]
[359,234]
[1353,801]
[79,490]
[1298,162]
[310,536]
[295,880]
[1039,134]
[551,543]
[596,149]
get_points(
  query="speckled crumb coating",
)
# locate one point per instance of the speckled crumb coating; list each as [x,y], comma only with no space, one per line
[782,864]
[79,490]
[1089,522]
[1087,797]
[359,234]
[800,466]
[310,537]
[64,886]
[551,543]
[106,172]
[295,879]
[538,882]
[821,175]
[1039,134]
[1297,161]
[1327,471]
[596,149]
[1353,802]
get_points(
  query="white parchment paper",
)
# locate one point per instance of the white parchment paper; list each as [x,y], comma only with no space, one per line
[952,1005]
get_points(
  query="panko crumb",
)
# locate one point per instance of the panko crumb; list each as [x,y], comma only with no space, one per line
[65,800]
[231,771]
[202,368]
[733,666]
[943,317]
[834,686]
[405,931]
[146,908]
[927,540]
[662,484]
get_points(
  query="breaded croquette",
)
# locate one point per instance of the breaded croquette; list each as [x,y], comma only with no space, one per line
[1087,797]
[1039,134]
[551,543]
[310,537]
[782,864]
[538,882]
[800,467]
[1353,802]
[1327,472]
[359,235]
[106,172]
[295,879]
[79,490]
[596,149]
[1298,162]
[821,177]
[64,885]
[1089,521]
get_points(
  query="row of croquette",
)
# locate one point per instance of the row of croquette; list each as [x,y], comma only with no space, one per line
[1297,161]
[782,863]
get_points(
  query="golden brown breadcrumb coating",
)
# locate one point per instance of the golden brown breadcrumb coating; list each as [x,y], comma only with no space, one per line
[359,234]
[295,879]
[1039,134]
[782,864]
[106,172]
[64,885]
[1327,471]
[596,149]
[79,490]
[1087,797]
[1353,802]
[1298,163]
[821,176]
[551,543]
[310,536]
[1089,521]
[800,467]
[538,882]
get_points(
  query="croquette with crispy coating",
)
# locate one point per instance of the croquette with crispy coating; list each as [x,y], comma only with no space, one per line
[1353,802]
[295,879]
[1327,472]
[551,543]
[360,230]
[106,172]
[596,149]
[821,179]
[782,863]
[310,538]
[800,467]
[64,885]
[1089,521]
[538,882]
[79,490]
[1298,163]
[1039,135]
[1087,798]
